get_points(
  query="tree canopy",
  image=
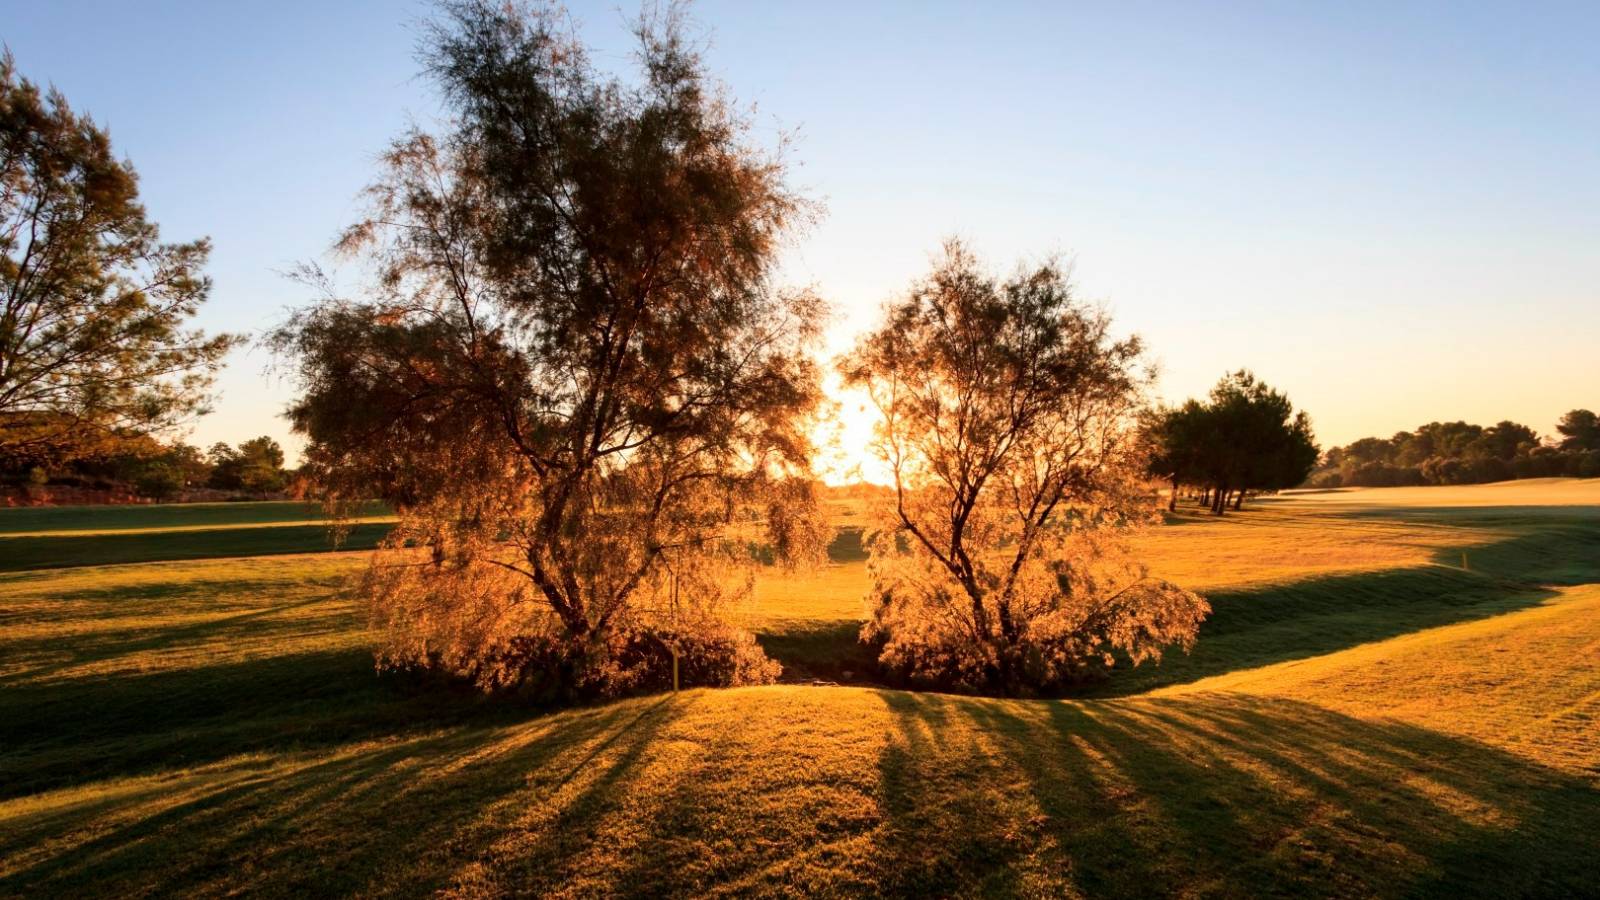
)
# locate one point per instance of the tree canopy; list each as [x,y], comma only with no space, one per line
[1579,430]
[94,345]
[1464,453]
[573,375]
[1245,437]
[255,467]
[1008,416]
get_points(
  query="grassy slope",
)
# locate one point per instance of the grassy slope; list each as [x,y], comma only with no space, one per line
[1363,716]
[61,536]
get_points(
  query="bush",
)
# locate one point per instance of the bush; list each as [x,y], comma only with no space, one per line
[468,619]
[159,482]
[628,661]
[1086,610]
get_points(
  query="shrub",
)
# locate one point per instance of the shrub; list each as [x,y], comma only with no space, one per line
[1088,607]
[474,621]
[159,482]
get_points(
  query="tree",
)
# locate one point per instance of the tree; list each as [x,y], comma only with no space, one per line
[260,466]
[1009,418]
[1506,439]
[189,461]
[227,467]
[573,377]
[93,343]
[160,481]
[167,473]
[1175,438]
[1246,437]
[1580,430]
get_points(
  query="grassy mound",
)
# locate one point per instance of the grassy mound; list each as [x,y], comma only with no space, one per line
[1364,716]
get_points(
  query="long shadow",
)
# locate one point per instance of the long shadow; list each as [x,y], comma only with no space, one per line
[1493,516]
[68,551]
[261,625]
[1301,619]
[401,816]
[827,650]
[1217,795]
[71,731]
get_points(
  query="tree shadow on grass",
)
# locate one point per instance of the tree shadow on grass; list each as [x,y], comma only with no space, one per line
[827,650]
[1300,619]
[398,815]
[65,731]
[860,792]
[1217,795]
[70,551]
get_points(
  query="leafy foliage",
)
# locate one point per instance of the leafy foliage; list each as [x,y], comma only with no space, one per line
[572,377]
[93,344]
[256,467]
[1579,430]
[1463,453]
[1008,415]
[1247,437]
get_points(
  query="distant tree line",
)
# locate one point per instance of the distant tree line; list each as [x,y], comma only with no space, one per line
[160,471]
[1245,438]
[1462,453]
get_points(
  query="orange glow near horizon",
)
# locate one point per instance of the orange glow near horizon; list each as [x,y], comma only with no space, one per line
[843,437]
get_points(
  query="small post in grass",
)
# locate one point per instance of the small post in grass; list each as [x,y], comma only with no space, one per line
[673,648]
[1464,566]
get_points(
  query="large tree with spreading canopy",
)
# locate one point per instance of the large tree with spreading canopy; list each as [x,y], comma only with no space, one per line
[572,374]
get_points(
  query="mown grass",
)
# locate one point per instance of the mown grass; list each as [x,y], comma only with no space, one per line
[65,549]
[41,519]
[1362,717]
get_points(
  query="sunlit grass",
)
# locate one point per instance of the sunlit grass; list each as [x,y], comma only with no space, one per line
[1527,681]
[1364,715]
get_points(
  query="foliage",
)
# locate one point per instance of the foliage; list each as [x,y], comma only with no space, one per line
[1463,453]
[93,344]
[1247,437]
[160,481]
[256,467]
[1008,413]
[1579,430]
[572,377]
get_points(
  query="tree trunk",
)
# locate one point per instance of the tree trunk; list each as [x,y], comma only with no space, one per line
[1172,502]
[1238,499]
[1219,500]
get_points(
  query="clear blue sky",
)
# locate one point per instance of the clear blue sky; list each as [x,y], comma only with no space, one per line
[1390,210]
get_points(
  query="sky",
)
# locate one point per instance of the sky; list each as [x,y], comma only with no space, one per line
[1390,211]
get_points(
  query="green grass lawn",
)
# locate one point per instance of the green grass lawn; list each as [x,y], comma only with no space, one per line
[1363,716]
[44,519]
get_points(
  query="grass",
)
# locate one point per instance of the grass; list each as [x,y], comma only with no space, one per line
[47,519]
[63,550]
[1363,716]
